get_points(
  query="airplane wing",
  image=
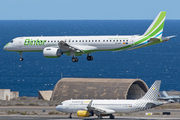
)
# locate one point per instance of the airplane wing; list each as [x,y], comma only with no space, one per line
[77,48]
[98,110]
[66,46]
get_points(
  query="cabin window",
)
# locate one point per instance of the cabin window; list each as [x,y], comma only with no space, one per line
[82,40]
[98,40]
[54,41]
[79,40]
[51,41]
[11,41]
[103,40]
[76,40]
[109,40]
[89,40]
[116,40]
[72,40]
[126,40]
[64,41]
[48,41]
[120,40]
[92,40]
[106,40]
[113,40]
[86,40]
[95,40]
[123,40]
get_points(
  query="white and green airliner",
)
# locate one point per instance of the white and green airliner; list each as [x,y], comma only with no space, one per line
[55,46]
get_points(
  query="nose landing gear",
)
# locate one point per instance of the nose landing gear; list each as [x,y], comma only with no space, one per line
[21,58]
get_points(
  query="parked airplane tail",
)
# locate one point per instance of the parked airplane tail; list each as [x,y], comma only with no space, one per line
[163,94]
[152,93]
[156,28]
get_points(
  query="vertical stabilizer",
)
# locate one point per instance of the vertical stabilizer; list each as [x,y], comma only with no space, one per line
[152,93]
[164,94]
[156,27]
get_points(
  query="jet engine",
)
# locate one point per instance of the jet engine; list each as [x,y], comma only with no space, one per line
[51,52]
[84,113]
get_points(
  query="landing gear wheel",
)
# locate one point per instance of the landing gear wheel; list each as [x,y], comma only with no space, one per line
[70,116]
[89,58]
[74,59]
[21,59]
[111,116]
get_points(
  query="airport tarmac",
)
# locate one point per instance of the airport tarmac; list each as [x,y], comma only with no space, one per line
[43,111]
[90,118]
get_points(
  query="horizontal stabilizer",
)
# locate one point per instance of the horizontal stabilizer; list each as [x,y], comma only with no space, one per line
[155,39]
[171,36]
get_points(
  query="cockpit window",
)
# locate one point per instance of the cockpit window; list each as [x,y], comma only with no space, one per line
[11,41]
[61,104]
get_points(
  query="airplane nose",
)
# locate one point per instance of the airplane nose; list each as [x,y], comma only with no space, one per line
[5,47]
[58,108]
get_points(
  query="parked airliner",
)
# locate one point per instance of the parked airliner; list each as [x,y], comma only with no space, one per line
[87,108]
[55,46]
[164,96]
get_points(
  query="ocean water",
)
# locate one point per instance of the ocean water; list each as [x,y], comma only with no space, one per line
[35,73]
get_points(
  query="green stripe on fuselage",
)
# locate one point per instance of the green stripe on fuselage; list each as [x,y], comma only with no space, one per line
[151,35]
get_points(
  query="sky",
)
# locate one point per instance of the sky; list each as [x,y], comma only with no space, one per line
[87,9]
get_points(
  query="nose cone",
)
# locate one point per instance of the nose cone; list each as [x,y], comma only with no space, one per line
[6,47]
[59,108]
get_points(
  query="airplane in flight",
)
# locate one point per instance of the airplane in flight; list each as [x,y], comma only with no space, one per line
[87,108]
[164,96]
[55,46]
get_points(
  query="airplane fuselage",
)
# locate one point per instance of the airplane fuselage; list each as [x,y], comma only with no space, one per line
[111,43]
[119,106]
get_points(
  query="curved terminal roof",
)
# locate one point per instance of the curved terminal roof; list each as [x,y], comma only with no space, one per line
[98,88]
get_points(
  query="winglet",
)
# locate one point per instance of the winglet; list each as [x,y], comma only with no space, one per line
[89,105]
[152,93]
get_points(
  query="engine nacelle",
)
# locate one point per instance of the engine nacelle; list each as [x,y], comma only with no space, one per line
[84,113]
[51,52]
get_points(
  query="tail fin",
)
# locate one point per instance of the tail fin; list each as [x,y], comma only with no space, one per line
[164,94]
[156,27]
[152,93]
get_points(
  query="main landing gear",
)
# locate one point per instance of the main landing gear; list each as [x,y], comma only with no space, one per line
[70,116]
[21,58]
[74,59]
[89,58]
[111,116]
